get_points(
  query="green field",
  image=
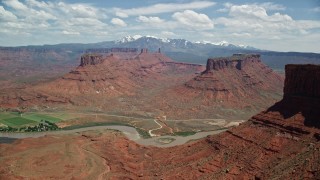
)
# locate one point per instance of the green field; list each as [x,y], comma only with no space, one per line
[18,121]
[39,117]
[8,115]
[14,119]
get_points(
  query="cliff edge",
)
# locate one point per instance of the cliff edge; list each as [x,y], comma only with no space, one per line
[235,77]
[301,100]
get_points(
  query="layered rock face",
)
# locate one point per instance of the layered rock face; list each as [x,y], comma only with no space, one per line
[302,80]
[301,100]
[91,59]
[237,61]
[268,146]
[152,82]
[236,77]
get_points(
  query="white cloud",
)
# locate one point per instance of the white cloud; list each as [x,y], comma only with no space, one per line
[79,10]
[70,32]
[41,17]
[118,22]
[272,6]
[168,33]
[39,4]
[193,20]
[6,15]
[255,24]
[121,14]
[255,11]
[162,8]
[242,35]
[152,20]
[15,4]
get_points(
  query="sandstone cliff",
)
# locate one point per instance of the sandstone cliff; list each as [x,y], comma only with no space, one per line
[268,146]
[236,76]
[302,80]
[91,59]
[239,80]
[301,101]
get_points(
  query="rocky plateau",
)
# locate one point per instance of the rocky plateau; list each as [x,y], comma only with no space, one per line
[281,142]
[128,81]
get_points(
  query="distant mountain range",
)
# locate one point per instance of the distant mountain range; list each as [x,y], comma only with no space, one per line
[181,42]
[24,60]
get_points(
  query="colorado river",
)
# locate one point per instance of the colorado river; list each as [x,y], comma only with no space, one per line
[130,132]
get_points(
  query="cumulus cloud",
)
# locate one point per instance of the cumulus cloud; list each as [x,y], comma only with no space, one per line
[79,10]
[70,32]
[254,18]
[241,35]
[152,20]
[193,20]
[255,11]
[15,4]
[162,8]
[269,6]
[6,15]
[41,17]
[168,33]
[118,22]
[257,23]
[272,6]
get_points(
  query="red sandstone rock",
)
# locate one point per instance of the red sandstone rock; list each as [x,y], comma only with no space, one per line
[302,80]
[268,146]
[152,82]
[91,59]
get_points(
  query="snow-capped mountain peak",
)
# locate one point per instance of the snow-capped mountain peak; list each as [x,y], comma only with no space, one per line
[221,43]
[179,42]
[129,38]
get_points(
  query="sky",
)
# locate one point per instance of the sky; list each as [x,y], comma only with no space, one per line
[282,25]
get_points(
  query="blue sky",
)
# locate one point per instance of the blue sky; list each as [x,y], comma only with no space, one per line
[283,25]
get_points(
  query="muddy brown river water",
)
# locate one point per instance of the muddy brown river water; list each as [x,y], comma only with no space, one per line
[130,132]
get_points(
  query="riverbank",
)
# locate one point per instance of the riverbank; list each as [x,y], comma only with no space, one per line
[130,132]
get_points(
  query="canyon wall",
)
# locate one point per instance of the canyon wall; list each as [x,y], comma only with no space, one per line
[302,80]
[91,59]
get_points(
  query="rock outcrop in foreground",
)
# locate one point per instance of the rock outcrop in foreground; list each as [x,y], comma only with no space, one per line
[271,145]
[282,142]
[301,102]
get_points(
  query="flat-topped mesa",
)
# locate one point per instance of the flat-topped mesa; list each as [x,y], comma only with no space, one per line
[302,80]
[91,59]
[144,50]
[236,61]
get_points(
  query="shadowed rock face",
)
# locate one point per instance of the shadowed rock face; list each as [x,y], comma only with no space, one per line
[270,145]
[302,80]
[301,99]
[91,59]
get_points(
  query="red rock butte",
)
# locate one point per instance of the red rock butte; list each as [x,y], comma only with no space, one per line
[176,89]
[275,144]
[241,76]
[270,145]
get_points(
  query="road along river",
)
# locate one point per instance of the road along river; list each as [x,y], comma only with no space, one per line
[130,132]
